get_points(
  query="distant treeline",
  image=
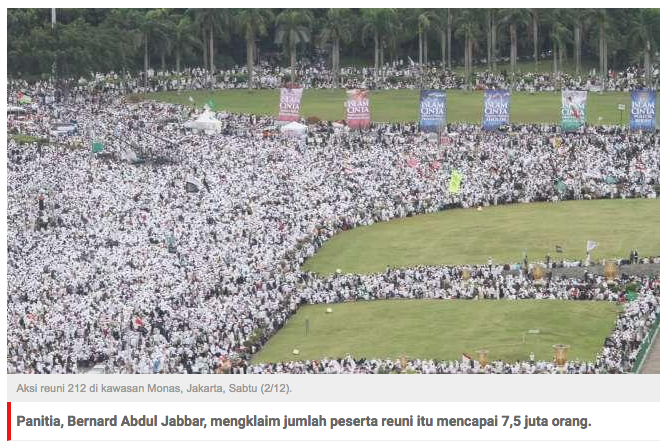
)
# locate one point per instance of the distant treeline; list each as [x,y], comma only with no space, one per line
[103,40]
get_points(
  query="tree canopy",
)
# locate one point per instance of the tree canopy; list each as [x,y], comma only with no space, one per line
[103,40]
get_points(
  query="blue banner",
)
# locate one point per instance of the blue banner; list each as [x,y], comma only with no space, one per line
[496,111]
[643,110]
[432,110]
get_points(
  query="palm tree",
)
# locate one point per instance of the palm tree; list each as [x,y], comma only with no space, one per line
[293,27]
[167,24]
[210,21]
[468,28]
[560,36]
[450,38]
[646,26]
[148,25]
[535,16]
[603,24]
[513,17]
[183,38]
[440,20]
[378,23]
[424,21]
[253,23]
[337,28]
[581,15]
[490,27]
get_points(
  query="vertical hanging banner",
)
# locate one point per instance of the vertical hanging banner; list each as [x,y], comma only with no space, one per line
[573,110]
[496,109]
[357,109]
[643,110]
[432,110]
[289,104]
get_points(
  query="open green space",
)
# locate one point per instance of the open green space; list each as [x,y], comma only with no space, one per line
[26,139]
[402,105]
[469,236]
[443,329]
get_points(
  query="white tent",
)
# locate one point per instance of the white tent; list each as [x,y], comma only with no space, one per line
[294,129]
[205,122]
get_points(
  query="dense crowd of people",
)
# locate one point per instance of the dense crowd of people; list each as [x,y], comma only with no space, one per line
[116,263]
[395,75]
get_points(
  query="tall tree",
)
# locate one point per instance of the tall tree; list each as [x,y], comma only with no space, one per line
[440,20]
[337,28]
[148,25]
[293,27]
[184,38]
[490,30]
[253,23]
[213,22]
[646,28]
[535,18]
[513,17]
[424,22]
[378,23]
[467,27]
[450,38]
[560,35]
[602,21]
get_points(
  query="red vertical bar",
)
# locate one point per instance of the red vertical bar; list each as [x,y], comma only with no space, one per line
[9,421]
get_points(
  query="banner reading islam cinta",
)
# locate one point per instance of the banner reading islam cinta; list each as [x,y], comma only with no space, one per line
[289,104]
[357,109]
[432,110]
[496,110]
[573,110]
[643,110]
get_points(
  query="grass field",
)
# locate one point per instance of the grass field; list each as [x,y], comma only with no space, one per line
[468,236]
[402,105]
[443,329]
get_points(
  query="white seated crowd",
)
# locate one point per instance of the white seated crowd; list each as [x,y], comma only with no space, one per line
[115,263]
[399,74]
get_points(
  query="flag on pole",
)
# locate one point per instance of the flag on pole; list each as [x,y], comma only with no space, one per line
[211,103]
[631,295]
[590,244]
[191,99]
[24,98]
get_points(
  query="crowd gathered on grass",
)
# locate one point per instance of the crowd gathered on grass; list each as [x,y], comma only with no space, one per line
[392,76]
[180,252]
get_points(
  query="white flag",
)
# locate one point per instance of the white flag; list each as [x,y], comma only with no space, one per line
[191,99]
[590,244]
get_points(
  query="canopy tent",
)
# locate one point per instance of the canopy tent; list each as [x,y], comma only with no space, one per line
[294,129]
[205,122]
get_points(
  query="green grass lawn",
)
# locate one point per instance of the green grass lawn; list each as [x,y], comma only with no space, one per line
[469,236]
[26,139]
[402,105]
[443,329]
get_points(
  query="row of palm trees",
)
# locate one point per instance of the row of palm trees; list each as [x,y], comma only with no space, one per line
[171,32]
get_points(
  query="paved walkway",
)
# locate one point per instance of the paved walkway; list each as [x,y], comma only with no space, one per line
[652,363]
